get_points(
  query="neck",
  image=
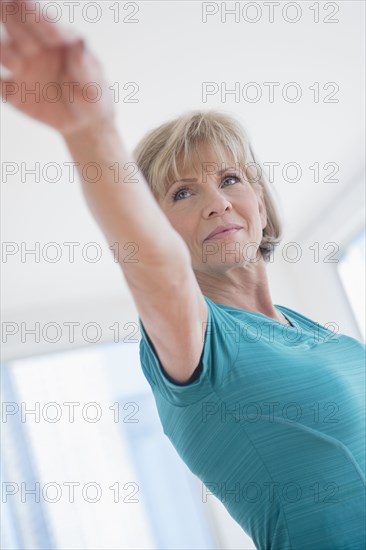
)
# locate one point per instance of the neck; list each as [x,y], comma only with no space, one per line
[244,287]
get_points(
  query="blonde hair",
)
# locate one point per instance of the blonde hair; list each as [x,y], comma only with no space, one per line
[158,152]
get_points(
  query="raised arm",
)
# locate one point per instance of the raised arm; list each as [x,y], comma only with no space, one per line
[159,272]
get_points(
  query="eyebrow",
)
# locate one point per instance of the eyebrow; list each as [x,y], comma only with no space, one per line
[192,180]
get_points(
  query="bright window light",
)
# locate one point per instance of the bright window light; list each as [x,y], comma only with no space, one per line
[86,420]
[351,269]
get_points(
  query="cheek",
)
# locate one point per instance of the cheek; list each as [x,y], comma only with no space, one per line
[182,226]
[186,230]
[250,208]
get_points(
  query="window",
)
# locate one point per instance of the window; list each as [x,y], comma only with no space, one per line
[351,269]
[85,462]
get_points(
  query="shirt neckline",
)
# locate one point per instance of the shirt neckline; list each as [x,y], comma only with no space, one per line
[301,328]
[278,307]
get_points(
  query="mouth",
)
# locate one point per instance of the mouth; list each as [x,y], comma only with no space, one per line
[224,234]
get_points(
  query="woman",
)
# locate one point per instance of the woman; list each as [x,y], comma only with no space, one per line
[264,405]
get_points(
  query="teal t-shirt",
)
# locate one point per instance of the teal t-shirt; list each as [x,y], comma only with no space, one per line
[274,426]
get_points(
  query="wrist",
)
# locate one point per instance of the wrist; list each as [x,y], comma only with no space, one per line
[98,140]
[90,131]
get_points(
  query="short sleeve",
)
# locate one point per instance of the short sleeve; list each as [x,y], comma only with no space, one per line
[221,345]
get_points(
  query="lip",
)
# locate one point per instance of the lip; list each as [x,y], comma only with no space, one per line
[222,232]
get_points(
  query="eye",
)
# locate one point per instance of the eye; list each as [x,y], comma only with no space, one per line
[176,195]
[231,176]
[177,192]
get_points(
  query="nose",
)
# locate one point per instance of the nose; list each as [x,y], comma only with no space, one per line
[216,204]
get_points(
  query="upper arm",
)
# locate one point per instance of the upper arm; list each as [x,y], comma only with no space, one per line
[173,311]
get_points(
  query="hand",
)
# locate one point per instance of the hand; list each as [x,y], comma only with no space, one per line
[70,91]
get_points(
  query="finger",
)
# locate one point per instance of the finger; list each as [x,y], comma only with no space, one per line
[9,57]
[49,32]
[12,16]
[31,20]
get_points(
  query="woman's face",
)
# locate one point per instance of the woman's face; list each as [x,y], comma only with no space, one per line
[196,208]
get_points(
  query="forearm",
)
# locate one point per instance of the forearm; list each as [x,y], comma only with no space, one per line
[126,210]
